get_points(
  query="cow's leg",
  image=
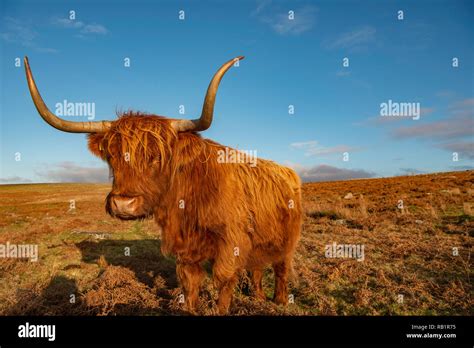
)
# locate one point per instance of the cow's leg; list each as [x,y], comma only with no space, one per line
[228,263]
[225,278]
[226,292]
[281,270]
[190,276]
[257,289]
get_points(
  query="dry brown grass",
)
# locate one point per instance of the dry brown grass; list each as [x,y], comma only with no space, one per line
[408,252]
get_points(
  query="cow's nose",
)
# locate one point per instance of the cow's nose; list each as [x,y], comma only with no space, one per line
[124,205]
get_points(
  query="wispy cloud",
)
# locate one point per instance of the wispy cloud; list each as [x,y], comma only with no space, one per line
[382,121]
[304,144]
[450,128]
[261,5]
[73,172]
[413,36]
[342,73]
[463,106]
[14,180]
[94,29]
[279,20]
[459,168]
[411,171]
[464,148]
[312,148]
[324,172]
[81,27]
[67,23]
[21,32]
[453,133]
[445,94]
[357,38]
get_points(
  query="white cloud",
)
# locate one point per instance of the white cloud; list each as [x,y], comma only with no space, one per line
[342,73]
[463,105]
[464,148]
[312,148]
[73,172]
[382,121]
[453,127]
[279,20]
[22,33]
[461,167]
[94,29]
[445,94]
[304,144]
[411,171]
[68,23]
[260,6]
[454,133]
[352,39]
[324,172]
[14,180]
[82,27]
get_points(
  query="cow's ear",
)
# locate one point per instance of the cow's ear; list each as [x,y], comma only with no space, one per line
[95,144]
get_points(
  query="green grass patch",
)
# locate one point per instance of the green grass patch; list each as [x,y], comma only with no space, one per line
[331,215]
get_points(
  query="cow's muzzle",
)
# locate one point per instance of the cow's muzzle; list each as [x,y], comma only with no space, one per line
[126,208]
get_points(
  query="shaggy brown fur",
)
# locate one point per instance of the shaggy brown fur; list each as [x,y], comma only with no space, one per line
[237,216]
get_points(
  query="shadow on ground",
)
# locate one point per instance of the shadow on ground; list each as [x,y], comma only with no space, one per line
[142,257]
[134,279]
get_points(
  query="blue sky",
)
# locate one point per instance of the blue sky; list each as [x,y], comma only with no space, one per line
[295,62]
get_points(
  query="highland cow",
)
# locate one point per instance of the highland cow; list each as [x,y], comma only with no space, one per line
[236,215]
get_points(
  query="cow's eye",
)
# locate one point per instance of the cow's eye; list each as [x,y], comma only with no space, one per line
[156,161]
[102,151]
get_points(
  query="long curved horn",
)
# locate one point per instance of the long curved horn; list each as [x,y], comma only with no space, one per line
[204,122]
[55,121]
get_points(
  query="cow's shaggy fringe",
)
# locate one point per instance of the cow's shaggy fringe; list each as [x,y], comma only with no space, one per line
[238,216]
[139,142]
